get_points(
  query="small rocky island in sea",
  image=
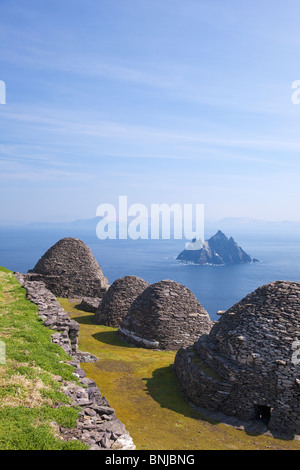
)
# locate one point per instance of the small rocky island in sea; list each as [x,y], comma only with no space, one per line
[218,250]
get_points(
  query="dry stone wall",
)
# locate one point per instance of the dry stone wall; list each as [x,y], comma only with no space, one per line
[97,426]
[89,304]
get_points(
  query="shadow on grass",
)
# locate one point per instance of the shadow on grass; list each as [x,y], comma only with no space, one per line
[164,389]
[84,319]
[77,307]
[109,337]
[84,309]
[112,338]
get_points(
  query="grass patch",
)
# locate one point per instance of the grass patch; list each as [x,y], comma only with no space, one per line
[30,395]
[141,386]
[32,429]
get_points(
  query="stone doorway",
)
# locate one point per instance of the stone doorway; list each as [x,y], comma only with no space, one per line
[263,413]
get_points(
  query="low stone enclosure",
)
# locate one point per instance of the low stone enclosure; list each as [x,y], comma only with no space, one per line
[69,269]
[166,315]
[89,304]
[248,366]
[118,299]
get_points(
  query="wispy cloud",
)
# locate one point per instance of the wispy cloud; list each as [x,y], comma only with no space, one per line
[36,164]
[159,97]
[23,172]
[195,82]
[66,125]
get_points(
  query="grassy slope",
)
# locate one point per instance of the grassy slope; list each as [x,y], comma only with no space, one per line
[141,386]
[29,389]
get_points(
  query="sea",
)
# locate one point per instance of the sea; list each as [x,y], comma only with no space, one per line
[216,287]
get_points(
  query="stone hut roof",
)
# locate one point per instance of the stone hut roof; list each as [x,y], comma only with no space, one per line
[253,355]
[262,324]
[166,315]
[69,256]
[118,299]
[70,269]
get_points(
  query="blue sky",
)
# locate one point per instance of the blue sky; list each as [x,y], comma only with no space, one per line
[162,101]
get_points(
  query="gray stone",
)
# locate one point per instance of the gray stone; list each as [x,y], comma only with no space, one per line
[89,304]
[159,321]
[69,269]
[254,378]
[118,299]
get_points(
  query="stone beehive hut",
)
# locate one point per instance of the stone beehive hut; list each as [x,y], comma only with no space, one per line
[248,366]
[166,315]
[118,299]
[69,269]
